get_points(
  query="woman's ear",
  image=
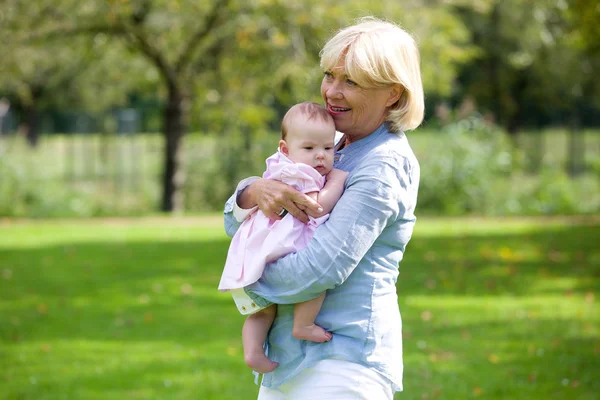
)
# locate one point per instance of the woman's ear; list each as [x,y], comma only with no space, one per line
[283,147]
[395,93]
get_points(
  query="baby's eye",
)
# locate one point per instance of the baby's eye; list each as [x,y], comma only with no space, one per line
[308,148]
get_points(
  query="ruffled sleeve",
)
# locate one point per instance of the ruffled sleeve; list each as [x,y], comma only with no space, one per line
[301,176]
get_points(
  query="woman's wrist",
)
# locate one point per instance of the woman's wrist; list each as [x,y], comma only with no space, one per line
[245,198]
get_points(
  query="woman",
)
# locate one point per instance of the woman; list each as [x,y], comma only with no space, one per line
[372,88]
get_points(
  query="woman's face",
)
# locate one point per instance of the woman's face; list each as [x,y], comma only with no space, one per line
[357,111]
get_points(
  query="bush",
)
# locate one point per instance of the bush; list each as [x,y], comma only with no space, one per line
[472,167]
[214,171]
[463,168]
[31,188]
[469,167]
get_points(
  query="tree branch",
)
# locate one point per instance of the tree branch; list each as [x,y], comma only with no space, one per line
[110,29]
[154,55]
[135,34]
[211,19]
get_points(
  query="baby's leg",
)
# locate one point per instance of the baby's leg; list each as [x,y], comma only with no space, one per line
[254,333]
[304,321]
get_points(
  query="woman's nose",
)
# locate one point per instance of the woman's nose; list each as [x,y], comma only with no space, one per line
[332,90]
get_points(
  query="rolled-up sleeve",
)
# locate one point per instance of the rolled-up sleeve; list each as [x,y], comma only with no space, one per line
[233,215]
[375,196]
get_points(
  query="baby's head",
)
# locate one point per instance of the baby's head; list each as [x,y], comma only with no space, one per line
[307,136]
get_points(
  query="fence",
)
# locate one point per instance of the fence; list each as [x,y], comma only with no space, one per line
[119,171]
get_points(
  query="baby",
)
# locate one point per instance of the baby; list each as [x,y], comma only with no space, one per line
[304,161]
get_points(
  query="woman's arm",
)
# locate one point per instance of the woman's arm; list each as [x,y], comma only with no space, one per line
[233,214]
[272,196]
[375,196]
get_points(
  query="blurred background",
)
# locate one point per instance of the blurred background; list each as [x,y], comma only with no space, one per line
[135,107]
[157,108]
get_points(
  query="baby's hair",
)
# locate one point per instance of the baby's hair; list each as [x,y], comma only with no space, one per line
[309,109]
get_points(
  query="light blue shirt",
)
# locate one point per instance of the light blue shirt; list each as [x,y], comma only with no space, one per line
[354,256]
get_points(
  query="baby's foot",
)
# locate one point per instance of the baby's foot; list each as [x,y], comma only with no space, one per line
[259,362]
[313,333]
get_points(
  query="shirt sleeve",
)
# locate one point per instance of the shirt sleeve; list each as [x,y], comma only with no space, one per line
[233,215]
[376,195]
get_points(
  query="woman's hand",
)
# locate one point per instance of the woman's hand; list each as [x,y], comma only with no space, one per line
[273,196]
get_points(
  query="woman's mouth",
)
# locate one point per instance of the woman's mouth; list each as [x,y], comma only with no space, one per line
[335,110]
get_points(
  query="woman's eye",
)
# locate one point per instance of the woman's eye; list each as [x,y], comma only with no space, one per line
[351,82]
[328,75]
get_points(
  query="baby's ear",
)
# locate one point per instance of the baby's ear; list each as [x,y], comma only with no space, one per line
[283,147]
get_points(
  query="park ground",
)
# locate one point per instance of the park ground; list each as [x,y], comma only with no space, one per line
[128,308]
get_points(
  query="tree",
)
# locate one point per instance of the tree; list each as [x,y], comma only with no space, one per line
[531,66]
[242,60]
[44,74]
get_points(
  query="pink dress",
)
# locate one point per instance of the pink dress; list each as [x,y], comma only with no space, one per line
[260,240]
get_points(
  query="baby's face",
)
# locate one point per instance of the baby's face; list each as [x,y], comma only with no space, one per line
[311,143]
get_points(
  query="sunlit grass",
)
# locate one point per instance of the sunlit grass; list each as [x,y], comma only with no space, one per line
[115,309]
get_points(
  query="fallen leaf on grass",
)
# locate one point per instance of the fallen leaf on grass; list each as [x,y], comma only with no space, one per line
[590,297]
[426,316]
[506,254]
[232,351]
[465,334]
[186,288]
[144,299]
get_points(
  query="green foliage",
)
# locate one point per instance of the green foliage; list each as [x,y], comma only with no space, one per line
[214,172]
[120,309]
[40,184]
[535,62]
[462,167]
[473,167]
[467,167]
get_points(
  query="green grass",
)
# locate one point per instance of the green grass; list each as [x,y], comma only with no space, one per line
[128,309]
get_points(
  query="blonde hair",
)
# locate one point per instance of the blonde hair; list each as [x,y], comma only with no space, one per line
[309,109]
[377,53]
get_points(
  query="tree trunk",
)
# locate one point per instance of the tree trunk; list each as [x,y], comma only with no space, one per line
[30,124]
[576,153]
[494,66]
[175,124]
[31,116]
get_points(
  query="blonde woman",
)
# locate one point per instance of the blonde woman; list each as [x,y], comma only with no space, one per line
[372,88]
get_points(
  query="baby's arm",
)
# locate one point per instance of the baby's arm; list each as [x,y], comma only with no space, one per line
[331,192]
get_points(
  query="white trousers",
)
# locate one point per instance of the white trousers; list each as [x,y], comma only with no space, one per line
[332,380]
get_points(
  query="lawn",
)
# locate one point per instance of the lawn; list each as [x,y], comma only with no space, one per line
[128,309]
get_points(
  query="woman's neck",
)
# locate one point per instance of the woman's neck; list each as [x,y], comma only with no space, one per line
[351,138]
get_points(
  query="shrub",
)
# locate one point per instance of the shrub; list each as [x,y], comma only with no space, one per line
[463,168]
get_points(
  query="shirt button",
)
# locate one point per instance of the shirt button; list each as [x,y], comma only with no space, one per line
[253,305]
[243,308]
